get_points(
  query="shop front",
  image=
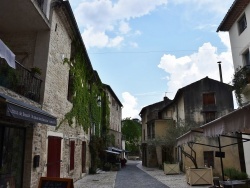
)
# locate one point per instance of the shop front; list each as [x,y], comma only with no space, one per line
[17,119]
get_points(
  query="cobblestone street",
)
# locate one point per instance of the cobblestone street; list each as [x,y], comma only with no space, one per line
[108,179]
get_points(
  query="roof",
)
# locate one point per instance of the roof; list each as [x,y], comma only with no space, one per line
[157,105]
[181,90]
[233,14]
[113,93]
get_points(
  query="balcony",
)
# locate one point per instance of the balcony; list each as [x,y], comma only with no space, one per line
[20,80]
[209,108]
[153,115]
[30,16]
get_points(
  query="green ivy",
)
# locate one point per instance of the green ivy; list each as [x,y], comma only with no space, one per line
[86,89]
[241,78]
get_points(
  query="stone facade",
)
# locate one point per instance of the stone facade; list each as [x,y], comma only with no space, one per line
[46,47]
[115,116]
[185,109]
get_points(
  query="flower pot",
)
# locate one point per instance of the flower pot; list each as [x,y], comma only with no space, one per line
[171,168]
[199,176]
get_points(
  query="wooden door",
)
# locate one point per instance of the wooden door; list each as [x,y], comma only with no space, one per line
[83,157]
[54,156]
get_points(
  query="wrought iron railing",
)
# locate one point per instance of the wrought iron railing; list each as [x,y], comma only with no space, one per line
[20,80]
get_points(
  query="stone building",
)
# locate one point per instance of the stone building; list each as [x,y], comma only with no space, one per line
[193,105]
[115,107]
[36,137]
[152,125]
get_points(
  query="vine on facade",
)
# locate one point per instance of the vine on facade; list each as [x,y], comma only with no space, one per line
[240,80]
[86,89]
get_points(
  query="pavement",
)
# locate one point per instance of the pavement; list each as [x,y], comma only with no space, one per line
[107,179]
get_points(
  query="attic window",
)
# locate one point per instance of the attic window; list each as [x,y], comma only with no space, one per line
[208,99]
[242,24]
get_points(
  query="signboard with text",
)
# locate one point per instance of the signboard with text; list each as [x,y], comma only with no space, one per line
[49,182]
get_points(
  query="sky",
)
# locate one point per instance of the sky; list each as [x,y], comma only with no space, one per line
[147,49]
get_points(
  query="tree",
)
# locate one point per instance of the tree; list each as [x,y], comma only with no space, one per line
[131,129]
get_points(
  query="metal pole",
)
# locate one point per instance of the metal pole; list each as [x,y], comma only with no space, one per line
[221,162]
[219,63]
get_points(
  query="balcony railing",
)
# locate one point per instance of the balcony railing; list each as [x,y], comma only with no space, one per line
[20,80]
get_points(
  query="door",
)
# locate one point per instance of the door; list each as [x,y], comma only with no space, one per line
[54,156]
[12,141]
[83,157]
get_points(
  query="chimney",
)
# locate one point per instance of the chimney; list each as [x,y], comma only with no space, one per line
[219,63]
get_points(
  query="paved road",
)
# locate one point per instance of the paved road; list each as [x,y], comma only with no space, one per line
[132,176]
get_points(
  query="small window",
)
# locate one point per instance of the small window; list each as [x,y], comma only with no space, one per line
[208,99]
[72,155]
[208,158]
[242,24]
[246,57]
[70,87]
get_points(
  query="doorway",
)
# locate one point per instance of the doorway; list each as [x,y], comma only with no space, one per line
[12,141]
[54,156]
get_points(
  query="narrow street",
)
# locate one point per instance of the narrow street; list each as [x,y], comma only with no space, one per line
[132,176]
[136,176]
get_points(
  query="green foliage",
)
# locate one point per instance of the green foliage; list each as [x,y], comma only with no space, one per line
[131,129]
[241,78]
[86,88]
[36,70]
[234,174]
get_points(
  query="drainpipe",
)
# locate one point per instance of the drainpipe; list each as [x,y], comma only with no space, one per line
[219,63]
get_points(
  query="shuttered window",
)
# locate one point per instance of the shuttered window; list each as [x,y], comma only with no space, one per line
[72,155]
[208,99]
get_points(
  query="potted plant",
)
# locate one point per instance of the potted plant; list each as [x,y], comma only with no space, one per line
[171,168]
[107,166]
[35,71]
[197,176]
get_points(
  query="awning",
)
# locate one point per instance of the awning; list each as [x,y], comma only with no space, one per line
[20,110]
[115,149]
[7,54]
[236,121]
[113,152]
[189,136]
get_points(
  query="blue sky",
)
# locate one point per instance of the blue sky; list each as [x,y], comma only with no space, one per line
[146,49]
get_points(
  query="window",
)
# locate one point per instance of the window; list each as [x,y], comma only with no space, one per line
[242,24]
[72,155]
[208,99]
[208,158]
[151,130]
[246,57]
[70,87]
[209,116]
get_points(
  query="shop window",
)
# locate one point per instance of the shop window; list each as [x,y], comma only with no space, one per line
[72,155]
[208,158]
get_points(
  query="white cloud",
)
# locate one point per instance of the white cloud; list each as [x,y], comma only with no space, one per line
[188,69]
[99,39]
[129,106]
[207,5]
[124,27]
[107,18]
